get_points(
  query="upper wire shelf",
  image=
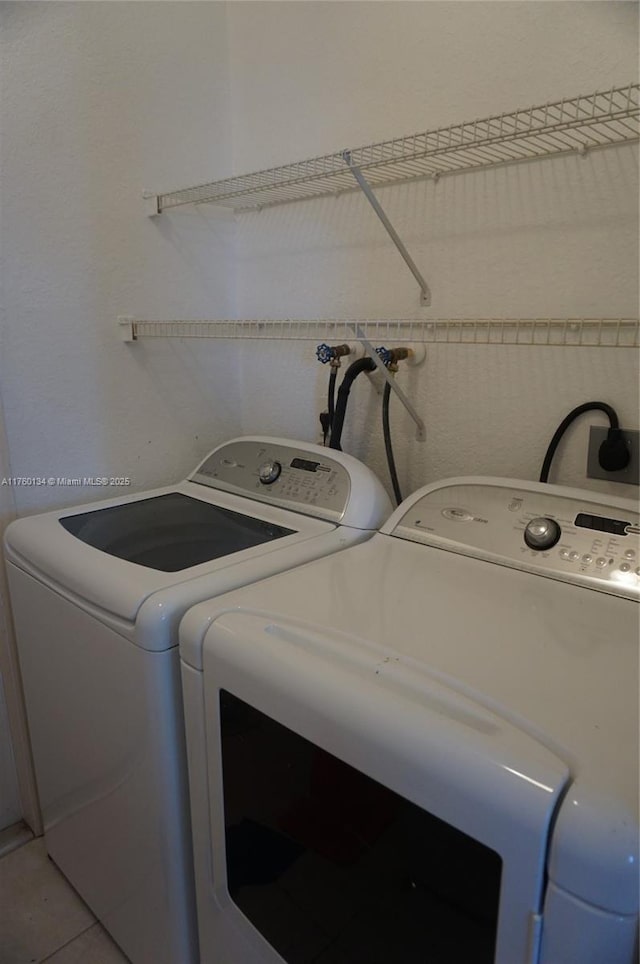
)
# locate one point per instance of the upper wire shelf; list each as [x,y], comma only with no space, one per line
[569,332]
[597,120]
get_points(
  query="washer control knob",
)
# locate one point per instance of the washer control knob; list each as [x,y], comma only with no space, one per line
[542,533]
[269,472]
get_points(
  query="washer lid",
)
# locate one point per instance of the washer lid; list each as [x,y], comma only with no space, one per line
[117,553]
[170,532]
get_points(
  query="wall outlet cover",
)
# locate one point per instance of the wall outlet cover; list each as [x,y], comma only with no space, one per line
[630,474]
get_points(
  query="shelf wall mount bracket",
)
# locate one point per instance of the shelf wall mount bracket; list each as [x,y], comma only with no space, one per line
[126,329]
[425,293]
[151,203]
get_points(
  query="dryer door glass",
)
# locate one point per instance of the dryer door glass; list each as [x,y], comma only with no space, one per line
[332,867]
[170,532]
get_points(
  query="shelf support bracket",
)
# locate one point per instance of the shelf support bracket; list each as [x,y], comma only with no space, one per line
[125,324]
[420,429]
[425,293]
[151,204]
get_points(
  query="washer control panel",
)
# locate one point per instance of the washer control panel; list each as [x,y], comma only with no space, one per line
[305,480]
[565,534]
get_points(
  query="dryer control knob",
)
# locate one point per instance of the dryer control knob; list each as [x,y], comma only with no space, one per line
[269,472]
[542,533]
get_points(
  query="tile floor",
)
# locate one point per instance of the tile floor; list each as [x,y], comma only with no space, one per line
[43,919]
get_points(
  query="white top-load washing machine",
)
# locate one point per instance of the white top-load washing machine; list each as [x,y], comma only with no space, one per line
[97,594]
[426,748]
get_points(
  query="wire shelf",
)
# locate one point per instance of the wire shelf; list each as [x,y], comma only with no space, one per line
[597,120]
[570,332]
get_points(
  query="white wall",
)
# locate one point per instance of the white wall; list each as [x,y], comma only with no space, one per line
[557,238]
[98,102]
[101,101]
[10,705]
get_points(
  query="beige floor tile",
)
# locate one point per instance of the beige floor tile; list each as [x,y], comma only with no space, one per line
[93,947]
[39,911]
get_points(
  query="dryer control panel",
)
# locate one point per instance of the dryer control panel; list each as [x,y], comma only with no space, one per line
[565,534]
[299,476]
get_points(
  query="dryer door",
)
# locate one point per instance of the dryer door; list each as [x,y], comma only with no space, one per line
[364,811]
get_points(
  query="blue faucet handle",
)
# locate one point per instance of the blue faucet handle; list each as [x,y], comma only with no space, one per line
[385,355]
[325,353]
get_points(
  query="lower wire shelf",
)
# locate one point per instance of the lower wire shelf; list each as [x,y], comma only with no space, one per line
[568,332]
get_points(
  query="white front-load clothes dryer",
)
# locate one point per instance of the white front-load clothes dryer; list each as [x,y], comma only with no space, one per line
[426,748]
[97,594]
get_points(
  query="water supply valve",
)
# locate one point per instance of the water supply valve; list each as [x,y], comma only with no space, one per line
[391,356]
[324,353]
[333,353]
[384,355]
[412,354]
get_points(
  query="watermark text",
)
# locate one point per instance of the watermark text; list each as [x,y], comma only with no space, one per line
[33,481]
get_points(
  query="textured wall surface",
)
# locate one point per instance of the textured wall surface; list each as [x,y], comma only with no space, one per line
[103,100]
[10,704]
[99,102]
[557,238]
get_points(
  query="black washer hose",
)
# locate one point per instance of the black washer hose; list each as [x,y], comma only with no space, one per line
[391,462]
[354,369]
[613,454]
[331,396]
[326,418]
